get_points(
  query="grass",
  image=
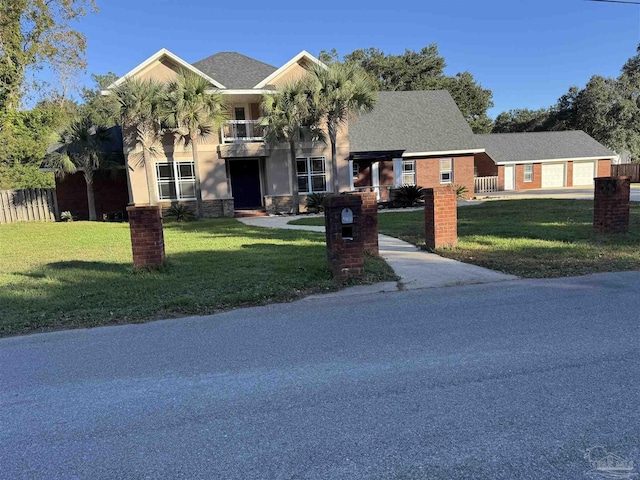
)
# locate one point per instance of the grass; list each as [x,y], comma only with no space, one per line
[528,238]
[64,275]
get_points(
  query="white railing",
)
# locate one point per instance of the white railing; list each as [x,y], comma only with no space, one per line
[486,184]
[242,131]
[383,192]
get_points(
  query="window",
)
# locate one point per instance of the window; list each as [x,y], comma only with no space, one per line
[312,176]
[528,173]
[446,170]
[356,171]
[408,172]
[176,180]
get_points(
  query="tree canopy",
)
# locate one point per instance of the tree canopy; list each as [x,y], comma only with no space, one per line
[422,70]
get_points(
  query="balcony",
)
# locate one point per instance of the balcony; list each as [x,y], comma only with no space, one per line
[242,138]
[237,131]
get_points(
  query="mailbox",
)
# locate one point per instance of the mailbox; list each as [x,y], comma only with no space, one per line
[346,218]
[345,247]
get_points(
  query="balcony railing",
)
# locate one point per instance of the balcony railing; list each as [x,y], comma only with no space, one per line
[234,131]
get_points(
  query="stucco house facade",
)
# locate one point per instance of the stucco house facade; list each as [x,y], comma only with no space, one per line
[238,169]
[415,137]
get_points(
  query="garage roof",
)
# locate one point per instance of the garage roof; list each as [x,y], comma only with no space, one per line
[424,121]
[529,146]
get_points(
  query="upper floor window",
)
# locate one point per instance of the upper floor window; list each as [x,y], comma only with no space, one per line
[312,174]
[446,170]
[176,180]
[408,172]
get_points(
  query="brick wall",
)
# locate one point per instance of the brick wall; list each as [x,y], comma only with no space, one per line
[611,204]
[281,204]
[486,167]
[147,238]
[210,208]
[569,180]
[111,194]
[428,172]
[604,168]
[369,222]
[500,177]
[537,177]
[440,217]
[345,243]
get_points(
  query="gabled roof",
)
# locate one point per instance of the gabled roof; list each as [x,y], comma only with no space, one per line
[529,146]
[418,122]
[302,55]
[157,56]
[235,70]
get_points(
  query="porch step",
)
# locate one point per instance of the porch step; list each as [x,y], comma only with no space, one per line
[250,213]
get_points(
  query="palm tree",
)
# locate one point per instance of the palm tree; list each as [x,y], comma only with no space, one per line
[342,91]
[82,150]
[140,112]
[288,115]
[194,112]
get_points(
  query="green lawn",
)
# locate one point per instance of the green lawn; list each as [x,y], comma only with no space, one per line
[63,275]
[529,238]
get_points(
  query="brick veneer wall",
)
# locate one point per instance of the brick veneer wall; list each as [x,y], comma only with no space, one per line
[537,177]
[603,168]
[345,256]
[485,165]
[369,222]
[440,217]
[611,204]
[281,204]
[110,193]
[428,173]
[210,208]
[147,238]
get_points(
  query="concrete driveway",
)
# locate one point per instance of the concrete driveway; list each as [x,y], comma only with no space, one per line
[579,193]
[496,381]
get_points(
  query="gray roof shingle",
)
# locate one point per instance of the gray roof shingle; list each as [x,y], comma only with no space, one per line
[516,147]
[234,70]
[413,121]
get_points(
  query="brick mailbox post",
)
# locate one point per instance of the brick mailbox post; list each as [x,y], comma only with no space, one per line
[369,222]
[147,239]
[345,243]
[440,217]
[611,197]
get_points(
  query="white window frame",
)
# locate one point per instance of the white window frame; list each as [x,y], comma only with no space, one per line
[446,171]
[355,170]
[175,180]
[528,166]
[311,174]
[410,173]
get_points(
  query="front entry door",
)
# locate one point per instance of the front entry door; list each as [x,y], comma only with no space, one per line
[245,183]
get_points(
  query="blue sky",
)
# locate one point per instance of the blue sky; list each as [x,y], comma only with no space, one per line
[527,52]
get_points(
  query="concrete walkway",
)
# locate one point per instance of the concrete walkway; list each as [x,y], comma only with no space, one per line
[570,193]
[416,268]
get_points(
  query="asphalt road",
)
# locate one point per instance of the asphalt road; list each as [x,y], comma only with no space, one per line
[499,381]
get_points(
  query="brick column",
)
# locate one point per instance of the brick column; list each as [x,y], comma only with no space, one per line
[147,239]
[345,244]
[611,204]
[369,222]
[440,217]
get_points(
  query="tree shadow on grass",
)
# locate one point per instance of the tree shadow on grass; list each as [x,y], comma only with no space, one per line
[91,293]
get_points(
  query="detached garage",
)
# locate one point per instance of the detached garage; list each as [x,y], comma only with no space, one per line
[531,160]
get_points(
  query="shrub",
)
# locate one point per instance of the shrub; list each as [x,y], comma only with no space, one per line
[315,202]
[66,216]
[180,213]
[408,195]
[461,192]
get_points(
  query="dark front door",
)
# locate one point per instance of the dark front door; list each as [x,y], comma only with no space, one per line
[245,183]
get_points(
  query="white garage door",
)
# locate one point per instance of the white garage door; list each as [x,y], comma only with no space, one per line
[553,175]
[583,173]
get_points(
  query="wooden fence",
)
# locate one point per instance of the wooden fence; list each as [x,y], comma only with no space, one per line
[486,184]
[32,205]
[627,170]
